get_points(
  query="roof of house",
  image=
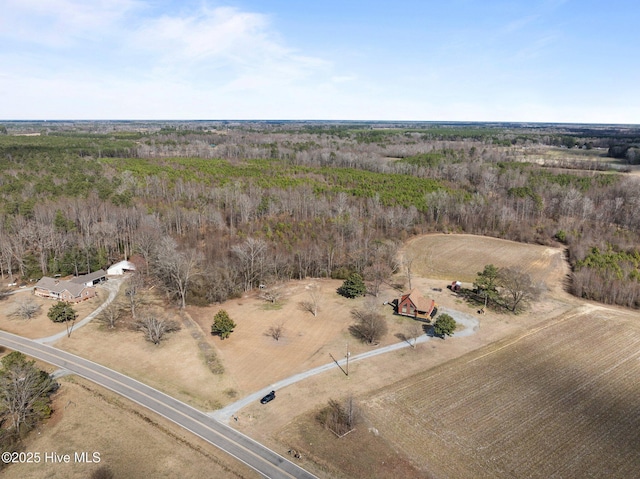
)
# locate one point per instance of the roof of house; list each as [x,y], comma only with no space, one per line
[59,286]
[85,278]
[122,265]
[419,301]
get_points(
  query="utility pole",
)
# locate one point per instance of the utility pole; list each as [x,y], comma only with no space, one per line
[348,354]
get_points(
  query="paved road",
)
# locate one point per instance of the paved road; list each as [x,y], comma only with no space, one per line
[243,448]
[470,324]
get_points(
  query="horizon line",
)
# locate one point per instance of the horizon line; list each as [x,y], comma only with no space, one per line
[276,120]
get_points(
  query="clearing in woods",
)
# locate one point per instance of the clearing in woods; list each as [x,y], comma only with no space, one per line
[461,257]
[554,397]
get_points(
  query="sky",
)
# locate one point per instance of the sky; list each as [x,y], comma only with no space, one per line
[572,61]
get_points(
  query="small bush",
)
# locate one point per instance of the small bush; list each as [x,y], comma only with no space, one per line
[339,418]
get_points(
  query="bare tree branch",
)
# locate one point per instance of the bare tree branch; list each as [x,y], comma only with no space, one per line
[271,295]
[110,314]
[176,269]
[276,332]
[25,309]
[155,327]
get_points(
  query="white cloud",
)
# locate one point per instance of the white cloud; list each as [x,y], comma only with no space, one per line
[519,24]
[227,47]
[222,31]
[193,58]
[62,22]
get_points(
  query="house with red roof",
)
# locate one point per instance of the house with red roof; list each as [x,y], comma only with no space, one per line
[416,306]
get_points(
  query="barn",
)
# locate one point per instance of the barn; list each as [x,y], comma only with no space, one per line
[416,306]
[121,268]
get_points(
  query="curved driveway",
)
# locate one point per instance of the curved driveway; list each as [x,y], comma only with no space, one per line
[470,324]
[243,448]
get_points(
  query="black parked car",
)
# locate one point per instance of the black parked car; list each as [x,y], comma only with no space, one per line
[269,397]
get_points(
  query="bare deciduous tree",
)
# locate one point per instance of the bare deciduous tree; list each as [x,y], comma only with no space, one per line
[517,287]
[313,302]
[339,418]
[133,292]
[147,240]
[155,327]
[276,332]
[24,391]
[176,269]
[376,274]
[408,261]
[271,295]
[251,255]
[370,324]
[111,314]
[414,330]
[26,309]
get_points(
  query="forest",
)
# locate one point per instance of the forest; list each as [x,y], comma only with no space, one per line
[225,206]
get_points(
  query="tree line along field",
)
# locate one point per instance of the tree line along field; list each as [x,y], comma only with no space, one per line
[558,401]
[304,199]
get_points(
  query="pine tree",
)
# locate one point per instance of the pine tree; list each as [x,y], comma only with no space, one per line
[353,286]
[62,312]
[445,325]
[222,325]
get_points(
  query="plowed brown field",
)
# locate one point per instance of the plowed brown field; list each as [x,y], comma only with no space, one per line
[559,401]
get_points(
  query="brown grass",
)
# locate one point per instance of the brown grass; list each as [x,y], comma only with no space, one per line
[361,453]
[255,360]
[41,326]
[175,366]
[461,257]
[130,440]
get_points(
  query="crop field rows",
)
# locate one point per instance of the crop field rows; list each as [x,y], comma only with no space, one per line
[561,402]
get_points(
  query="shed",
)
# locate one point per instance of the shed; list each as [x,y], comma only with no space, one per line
[121,268]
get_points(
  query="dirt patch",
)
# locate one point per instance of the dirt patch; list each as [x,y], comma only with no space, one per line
[130,441]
